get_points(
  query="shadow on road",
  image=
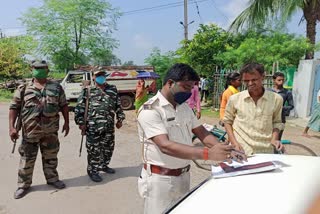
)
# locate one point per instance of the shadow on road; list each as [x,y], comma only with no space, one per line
[316,136]
[84,180]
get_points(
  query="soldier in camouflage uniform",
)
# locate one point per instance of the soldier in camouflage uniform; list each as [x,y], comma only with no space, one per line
[104,104]
[43,99]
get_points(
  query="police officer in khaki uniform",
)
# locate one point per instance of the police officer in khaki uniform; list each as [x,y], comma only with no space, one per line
[39,103]
[166,126]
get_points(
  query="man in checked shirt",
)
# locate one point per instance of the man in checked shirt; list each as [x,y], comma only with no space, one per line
[253,117]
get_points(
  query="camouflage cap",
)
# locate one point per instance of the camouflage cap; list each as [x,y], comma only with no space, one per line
[39,64]
[99,71]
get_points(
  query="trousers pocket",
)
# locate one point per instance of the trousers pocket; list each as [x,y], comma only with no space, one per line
[142,185]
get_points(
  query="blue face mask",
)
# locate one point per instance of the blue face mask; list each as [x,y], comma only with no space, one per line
[100,80]
[181,97]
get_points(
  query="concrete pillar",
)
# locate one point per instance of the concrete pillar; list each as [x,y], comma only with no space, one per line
[303,83]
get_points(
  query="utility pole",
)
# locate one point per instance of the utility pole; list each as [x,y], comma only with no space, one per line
[185,24]
[185,20]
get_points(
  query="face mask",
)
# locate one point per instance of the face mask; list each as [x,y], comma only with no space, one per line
[100,80]
[39,73]
[181,97]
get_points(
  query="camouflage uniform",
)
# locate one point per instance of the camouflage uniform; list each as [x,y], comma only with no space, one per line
[103,106]
[40,125]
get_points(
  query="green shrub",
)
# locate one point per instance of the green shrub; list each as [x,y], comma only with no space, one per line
[57,75]
[5,95]
[207,111]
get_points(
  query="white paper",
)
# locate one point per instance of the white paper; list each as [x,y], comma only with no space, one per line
[218,172]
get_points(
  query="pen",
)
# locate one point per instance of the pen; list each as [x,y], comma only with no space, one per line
[239,155]
[280,152]
[237,151]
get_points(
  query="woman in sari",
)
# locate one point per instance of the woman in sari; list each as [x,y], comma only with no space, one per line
[141,94]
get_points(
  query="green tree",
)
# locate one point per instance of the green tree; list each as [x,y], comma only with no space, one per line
[161,62]
[13,51]
[73,31]
[259,12]
[201,52]
[104,57]
[287,49]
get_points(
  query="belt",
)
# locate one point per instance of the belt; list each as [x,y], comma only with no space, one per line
[165,171]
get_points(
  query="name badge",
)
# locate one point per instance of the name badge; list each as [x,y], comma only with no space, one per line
[147,107]
[171,119]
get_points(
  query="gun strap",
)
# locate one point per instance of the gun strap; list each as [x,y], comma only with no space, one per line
[22,96]
[87,106]
[22,105]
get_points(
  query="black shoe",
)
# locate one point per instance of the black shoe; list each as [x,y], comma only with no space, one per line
[95,177]
[57,184]
[108,170]
[20,193]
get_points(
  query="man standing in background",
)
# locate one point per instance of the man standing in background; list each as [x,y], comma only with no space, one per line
[204,89]
[278,81]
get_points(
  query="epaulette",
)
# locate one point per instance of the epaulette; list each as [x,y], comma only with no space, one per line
[21,86]
[148,105]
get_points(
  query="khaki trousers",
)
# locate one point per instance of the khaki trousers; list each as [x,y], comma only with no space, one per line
[161,191]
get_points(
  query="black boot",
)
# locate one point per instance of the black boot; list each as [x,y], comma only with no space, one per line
[57,184]
[95,177]
[20,193]
[108,170]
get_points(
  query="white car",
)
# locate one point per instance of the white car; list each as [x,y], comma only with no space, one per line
[288,190]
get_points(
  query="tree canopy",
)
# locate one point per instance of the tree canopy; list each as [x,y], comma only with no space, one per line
[74,31]
[161,62]
[213,48]
[259,12]
[286,49]
[201,52]
[13,51]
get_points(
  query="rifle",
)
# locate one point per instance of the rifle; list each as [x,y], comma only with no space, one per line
[19,120]
[85,119]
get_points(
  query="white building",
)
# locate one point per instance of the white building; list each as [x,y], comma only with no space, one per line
[306,84]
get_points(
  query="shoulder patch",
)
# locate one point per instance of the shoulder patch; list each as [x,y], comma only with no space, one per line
[20,87]
[148,105]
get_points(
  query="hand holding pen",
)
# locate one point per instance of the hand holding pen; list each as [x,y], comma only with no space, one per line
[238,156]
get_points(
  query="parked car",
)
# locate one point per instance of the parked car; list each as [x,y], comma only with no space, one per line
[288,190]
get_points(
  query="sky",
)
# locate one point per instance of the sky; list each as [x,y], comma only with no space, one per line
[141,31]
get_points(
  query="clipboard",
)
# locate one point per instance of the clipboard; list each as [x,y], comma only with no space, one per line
[254,165]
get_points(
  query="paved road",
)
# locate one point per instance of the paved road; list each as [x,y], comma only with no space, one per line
[116,194]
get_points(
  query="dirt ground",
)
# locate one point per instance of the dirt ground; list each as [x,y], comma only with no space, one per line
[117,193]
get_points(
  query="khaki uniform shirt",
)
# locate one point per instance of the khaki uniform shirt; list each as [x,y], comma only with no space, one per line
[40,113]
[253,123]
[157,116]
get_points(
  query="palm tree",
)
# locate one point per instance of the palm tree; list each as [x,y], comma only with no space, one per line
[259,11]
